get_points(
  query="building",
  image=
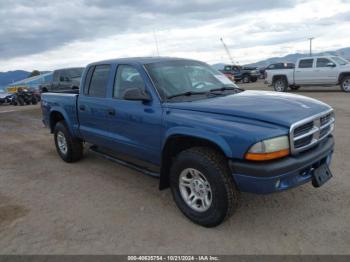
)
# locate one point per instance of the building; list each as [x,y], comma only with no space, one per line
[32,82]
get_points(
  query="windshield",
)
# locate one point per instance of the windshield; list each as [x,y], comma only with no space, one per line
[75,72]
[172,78]
[340,60]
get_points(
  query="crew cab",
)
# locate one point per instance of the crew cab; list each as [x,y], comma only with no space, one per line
[312,71]
[275,66]
[201,135]
[66,79]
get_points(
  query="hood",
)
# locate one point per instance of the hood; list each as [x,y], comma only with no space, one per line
[273,107]
[345,67]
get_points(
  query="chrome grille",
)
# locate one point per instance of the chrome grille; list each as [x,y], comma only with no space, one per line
[308,132]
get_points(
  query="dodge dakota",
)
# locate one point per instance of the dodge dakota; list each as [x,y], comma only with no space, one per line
[312,71]
[190,126]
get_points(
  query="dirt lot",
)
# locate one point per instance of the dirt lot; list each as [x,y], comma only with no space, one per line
[98,207]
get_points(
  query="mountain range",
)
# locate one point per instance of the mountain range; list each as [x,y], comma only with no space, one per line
[12,76]
[292,58]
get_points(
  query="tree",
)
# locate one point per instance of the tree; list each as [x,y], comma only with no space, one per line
[34,73]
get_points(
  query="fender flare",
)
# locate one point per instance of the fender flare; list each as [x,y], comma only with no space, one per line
[65,117]
[200,134]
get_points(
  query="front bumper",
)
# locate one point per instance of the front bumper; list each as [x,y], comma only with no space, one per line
[279,175]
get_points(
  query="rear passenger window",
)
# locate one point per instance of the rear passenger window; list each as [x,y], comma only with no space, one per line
[99,81]
[322,62]
[306,63]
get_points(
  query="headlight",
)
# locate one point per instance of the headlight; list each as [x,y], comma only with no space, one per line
[269,149]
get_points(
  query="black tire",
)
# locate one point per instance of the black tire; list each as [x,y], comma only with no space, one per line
[294,87]
[34,100]
[74,150]
[345,84]
[20,101]
[280,84]
[246,79]
[213,165]
[253,79]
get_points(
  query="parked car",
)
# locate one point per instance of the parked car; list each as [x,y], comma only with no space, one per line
[311,71]
[67,79]
[186,123]
[244,74]
[275,67]
[5,98]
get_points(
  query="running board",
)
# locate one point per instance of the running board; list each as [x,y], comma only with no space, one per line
[94,149]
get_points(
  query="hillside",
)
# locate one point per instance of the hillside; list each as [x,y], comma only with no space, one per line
[12,76]
[292,58]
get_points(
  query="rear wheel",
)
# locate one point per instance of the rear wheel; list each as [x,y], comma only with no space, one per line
[345,84]
[203,187]
[280,85]
[34,100]
[20,101]
[68,147]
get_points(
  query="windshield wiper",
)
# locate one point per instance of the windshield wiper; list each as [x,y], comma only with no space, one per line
[225,88]
[188,93]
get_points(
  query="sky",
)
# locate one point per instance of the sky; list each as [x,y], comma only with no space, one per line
[45,35]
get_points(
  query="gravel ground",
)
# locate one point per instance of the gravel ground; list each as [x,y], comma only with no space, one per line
[98,207]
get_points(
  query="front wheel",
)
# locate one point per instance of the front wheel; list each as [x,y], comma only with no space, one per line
[246,79]
[68,147]
[294,88]
[345,84]
[203,187]
[280,85]
[20,101]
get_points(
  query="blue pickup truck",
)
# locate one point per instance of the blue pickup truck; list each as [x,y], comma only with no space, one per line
[186,123]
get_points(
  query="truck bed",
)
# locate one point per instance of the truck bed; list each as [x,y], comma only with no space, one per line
[63,103]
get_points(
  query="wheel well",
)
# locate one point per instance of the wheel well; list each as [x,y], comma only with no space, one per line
[277,77]
[342,75]
[55,117]
[173,147]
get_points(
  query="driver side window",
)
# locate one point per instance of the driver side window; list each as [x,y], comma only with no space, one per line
[126,77]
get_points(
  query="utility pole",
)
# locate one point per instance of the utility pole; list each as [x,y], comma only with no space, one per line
[310,39]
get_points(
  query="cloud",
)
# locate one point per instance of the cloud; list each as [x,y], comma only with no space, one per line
[49,34]
[30,27]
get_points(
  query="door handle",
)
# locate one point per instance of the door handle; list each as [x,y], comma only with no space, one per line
[111,112]
[82,107]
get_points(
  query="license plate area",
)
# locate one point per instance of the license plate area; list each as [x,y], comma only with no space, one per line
[321,175]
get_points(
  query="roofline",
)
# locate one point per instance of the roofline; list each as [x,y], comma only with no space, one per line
[137,60]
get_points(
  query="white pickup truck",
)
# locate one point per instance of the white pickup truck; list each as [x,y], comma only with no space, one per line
[309,71]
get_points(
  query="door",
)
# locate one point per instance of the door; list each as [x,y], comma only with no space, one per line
[325,71]
[136,125]
[94,112]
[64,81]
[304,72]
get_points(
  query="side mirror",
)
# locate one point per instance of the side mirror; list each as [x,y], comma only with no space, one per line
[330,64]
[137,94]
